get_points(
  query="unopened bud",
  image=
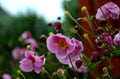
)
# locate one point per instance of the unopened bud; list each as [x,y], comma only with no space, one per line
[29,47]
[17,77]
[67,13]
[50,33]
[85,35]
[18,71]
[60,71]
[78,63]
[84,8]
[42,38]
[105,69]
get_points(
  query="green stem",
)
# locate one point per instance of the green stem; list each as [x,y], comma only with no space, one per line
[73,68]
[89,21]
[80,25]
[23,75]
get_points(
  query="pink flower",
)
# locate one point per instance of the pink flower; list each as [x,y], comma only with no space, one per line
[79,66]
[32,42]
[63,47]
[26,35]
[106,38]
[73,54]
[109,9]
[6,76]
[18,53]
[32,62]
[116,39]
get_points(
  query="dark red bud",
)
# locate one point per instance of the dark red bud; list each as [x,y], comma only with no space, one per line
[57,26]
[78,63]
[96,57]
[42,38]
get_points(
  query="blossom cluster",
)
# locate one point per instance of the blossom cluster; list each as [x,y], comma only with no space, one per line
[71,51]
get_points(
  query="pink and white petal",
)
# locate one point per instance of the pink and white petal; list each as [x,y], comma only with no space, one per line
[26,65]
[6,76]
[16,52]
[26,35]
[82,69]
[52,44]
[102,13]
[37,69]
[75,54]
[39,61]
[32,42]
[64,61]
[61,54]
[30,53]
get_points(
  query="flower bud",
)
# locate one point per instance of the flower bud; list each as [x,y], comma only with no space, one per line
[57,26]
[85,35]
[105,69]
[29,47]
[84,8]
[42,38]
[78,63]
[60,71]
[18,71]
[67,13]
[96,57]
[100,30]
[17,77]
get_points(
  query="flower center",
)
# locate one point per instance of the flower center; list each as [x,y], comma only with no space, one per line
[32,59]
[62,44]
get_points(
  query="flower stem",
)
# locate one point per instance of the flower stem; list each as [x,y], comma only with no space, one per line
[68,14]
[20,73]
[89,21]
[73,68]
[90,42]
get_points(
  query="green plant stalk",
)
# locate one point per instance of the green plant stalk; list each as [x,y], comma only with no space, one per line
[80,25]
[89,21]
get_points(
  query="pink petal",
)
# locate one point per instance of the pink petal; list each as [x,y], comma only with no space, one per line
[37,69]
[102,13]
[39,61]
[26,35]
[61,54]
[32,42]
[16,52]
[6,76]
[30,54]
[26,65]
[64,60]
[116,39]
[52,44]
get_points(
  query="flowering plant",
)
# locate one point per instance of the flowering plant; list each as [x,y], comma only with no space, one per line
[68,58]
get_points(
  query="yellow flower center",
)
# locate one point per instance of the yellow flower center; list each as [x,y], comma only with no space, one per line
[62,44]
